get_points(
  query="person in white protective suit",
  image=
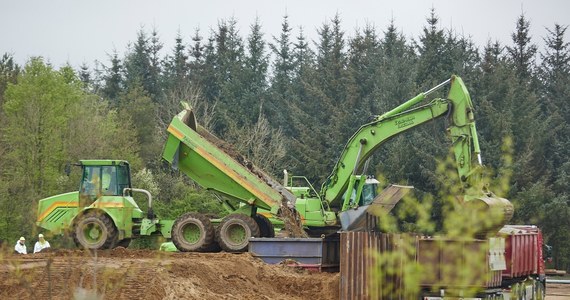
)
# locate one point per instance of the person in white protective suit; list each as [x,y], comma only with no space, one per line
[20,247]
[41,244]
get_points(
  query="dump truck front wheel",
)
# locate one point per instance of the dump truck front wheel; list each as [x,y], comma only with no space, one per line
[95,231]
[234,232]
[266,228]
[193,232]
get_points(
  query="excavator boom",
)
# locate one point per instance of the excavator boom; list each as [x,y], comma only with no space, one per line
[338,187]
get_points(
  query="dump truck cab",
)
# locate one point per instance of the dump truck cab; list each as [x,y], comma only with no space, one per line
[102,214]
[103,178]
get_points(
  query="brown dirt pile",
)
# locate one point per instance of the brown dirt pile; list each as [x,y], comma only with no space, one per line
[142,274]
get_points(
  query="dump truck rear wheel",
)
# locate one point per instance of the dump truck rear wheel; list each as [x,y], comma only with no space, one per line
[234,232]
[266,228]
[193,232]
[94,231]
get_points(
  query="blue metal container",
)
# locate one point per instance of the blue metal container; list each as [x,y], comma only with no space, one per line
[319,254]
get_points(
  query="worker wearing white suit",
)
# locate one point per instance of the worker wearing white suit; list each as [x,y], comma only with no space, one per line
[20,247]
[41,244]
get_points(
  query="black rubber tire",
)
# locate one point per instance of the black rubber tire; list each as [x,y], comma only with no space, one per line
[75,240]
[96,221]
[206,241]
[229,225]
[266,228]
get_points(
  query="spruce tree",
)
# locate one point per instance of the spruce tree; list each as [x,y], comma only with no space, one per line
[283,61]
[253,80]
[429,142]
[395,84]
[554,73]
[142,63]
[176,65]
[85,77]
[113,79]
[196,59]
[328,96]
[281,92]
[431,52]
[227,67]
[305,155]
[364,59]
[530,131]
[522,52]
[154,85]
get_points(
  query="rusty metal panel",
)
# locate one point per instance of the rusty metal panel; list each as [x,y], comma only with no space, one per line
[441,258]
[354,264]
[429,256]
[440,261]
[358,262]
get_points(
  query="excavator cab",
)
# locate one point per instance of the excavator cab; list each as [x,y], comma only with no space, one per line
[369,191]
[364,190]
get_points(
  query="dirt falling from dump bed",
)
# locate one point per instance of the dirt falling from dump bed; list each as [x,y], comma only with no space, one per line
[291,219]
[143,274]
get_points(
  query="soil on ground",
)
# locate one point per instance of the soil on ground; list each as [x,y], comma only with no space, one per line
[147,274]
[144,274]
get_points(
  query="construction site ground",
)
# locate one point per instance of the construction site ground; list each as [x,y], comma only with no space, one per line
[146,274]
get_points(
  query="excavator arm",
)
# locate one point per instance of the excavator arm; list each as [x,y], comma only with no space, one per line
[369,137]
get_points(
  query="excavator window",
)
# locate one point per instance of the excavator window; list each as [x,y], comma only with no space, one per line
[368,193]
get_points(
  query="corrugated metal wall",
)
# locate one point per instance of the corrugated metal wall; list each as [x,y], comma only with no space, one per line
[422,263]
[358,261]
[522,253]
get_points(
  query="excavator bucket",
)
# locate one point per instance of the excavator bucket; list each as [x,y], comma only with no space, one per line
[364,217]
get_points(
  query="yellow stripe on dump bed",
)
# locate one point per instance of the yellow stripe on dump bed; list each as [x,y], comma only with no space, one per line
[175,132]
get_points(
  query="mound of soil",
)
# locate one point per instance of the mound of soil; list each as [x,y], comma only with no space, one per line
[143,274]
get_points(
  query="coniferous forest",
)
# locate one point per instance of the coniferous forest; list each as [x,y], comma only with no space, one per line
[290,102]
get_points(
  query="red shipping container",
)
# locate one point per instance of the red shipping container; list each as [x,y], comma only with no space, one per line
[523,250]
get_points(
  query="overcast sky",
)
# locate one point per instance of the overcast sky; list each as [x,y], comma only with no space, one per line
[76,31]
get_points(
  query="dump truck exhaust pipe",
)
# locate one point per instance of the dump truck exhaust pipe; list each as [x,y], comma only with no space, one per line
[150,213]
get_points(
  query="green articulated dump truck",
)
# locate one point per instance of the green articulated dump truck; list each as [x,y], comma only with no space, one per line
[101,217]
